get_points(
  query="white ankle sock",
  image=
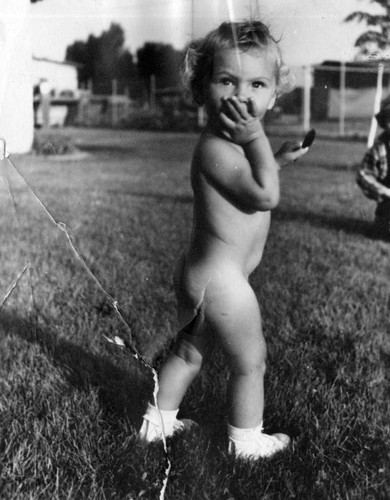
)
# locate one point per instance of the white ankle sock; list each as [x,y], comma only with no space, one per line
[253,443]
[244,434]
[158,424]
[159,418]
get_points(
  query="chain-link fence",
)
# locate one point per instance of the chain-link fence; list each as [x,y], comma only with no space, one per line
[337,99]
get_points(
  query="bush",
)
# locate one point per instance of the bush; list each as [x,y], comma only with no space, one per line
[161,120]
[51,144]
[142,119]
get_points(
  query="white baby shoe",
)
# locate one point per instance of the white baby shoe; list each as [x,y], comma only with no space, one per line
[253,443]
[158,423]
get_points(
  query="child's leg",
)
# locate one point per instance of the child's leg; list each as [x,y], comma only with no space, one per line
[175,377]
[184,364]
[180,369]
[232,311]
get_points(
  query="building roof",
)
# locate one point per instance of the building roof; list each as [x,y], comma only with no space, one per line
[64,63]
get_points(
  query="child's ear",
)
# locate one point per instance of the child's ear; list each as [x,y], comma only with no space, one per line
[271,104]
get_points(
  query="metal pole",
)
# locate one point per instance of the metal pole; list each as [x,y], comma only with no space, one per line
[306,98]
[342,100]
[192,19]
[201,114]
[377,105]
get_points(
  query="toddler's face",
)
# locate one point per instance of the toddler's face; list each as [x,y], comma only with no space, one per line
[242,74]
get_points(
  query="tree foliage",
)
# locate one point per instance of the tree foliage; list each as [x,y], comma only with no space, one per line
[162,61]
[375,41]
[102,59]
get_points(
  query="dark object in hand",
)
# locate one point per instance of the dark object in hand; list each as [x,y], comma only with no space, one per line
[309,138]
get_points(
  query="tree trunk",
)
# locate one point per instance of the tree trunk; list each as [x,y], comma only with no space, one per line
[16,93]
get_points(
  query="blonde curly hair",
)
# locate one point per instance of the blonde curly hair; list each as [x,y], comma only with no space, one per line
[244,35]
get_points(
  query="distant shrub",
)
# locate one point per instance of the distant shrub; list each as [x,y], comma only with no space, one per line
[143,119]
[52,144]
[161,119]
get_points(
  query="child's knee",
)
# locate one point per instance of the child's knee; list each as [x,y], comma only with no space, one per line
[246,369]
[189,353]
[249,363]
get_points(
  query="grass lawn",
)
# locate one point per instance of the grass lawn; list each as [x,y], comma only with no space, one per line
[71,403]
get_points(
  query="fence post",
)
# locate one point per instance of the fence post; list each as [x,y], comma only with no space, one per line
[152,92]
[201,116]
[342,100]
[44,88]
[127,105]
[306,98]
[80,109]
[114,108]
[377,105]
[88,115]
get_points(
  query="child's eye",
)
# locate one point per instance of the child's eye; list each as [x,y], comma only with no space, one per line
[226,81]
[258,84]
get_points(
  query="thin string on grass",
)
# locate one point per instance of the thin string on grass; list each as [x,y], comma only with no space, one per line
[61,226]
[4,155]
[13,285]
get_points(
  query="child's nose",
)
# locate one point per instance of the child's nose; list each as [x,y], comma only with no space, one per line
[242,93]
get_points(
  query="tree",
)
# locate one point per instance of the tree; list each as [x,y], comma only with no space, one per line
[373,42]
[162,61]
[85,55]
[102,59]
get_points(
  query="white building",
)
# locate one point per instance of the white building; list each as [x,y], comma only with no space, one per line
[61,77]
[58,81]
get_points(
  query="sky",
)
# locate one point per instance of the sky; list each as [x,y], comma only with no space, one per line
[311,31]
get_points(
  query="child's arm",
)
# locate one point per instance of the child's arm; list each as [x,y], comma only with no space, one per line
[242,125]
[289,152]
[251,179]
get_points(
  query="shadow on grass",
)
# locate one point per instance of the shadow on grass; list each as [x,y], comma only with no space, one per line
[123,387]
[337,222]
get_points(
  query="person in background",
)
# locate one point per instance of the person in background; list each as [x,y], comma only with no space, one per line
[373,176]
